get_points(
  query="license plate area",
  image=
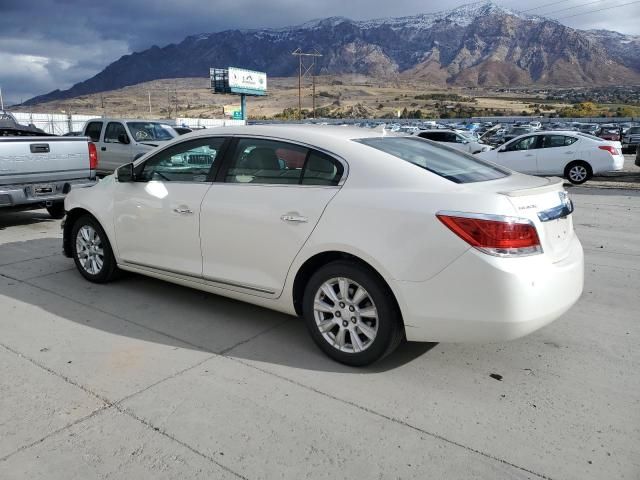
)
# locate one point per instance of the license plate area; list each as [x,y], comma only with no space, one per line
[43,189]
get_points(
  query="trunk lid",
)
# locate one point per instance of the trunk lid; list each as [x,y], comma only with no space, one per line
[548,206]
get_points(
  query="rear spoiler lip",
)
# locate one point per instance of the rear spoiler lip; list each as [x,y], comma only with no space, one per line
[555,184]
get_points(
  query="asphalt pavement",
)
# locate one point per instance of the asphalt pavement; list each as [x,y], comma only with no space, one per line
[144,379]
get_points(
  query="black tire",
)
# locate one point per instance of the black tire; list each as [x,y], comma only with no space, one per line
[578,172]
[390,331]
[109,270]
[56,210]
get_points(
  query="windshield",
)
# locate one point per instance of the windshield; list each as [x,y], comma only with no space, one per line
[444,162]
[634,130]
[148,131]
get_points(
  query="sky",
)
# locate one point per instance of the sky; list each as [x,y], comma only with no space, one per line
[53,44]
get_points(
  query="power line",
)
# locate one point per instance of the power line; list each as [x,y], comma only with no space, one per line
[572,8]
[599,10]
[542,6]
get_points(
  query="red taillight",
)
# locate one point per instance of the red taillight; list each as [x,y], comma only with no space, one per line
[612,150]
[93,156]
[493,234]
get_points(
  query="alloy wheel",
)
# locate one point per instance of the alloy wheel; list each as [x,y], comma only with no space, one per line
[578,173]
[345,315]
[89,250]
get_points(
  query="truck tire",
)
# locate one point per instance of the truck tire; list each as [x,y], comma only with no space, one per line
[56,210]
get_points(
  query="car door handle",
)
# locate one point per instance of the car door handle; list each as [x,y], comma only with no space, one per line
[183,210]
[569,153]
[104,149]
[294,218]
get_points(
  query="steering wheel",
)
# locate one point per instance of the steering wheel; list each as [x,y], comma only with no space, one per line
[142,135]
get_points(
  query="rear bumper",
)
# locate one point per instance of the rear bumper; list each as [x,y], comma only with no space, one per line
[479,298]
[23,194]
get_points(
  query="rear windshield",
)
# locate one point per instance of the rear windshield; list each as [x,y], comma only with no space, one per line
[444,162]
[591,137]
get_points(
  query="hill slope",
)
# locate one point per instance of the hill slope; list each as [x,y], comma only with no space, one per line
[480,44]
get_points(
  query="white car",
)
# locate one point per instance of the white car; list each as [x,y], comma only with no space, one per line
[455,139]
[575,156]
[372,238]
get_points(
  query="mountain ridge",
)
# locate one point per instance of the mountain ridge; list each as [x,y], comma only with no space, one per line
[478,44]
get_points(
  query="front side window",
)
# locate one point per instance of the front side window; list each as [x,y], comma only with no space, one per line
[149,131]
[452,165]
[189,161]
[526,143]
[115,132]
[93,131]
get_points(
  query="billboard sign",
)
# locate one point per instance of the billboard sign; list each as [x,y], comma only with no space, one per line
[247,81]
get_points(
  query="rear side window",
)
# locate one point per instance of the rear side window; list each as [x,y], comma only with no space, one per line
[93,131]
[454,166]
[266,162]
[321,169]
[551,141]
[263,162]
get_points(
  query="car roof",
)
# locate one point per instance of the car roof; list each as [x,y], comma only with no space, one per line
[312,134]
[118,119]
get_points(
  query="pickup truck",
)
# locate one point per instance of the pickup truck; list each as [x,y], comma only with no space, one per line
[38,172]
[121,141]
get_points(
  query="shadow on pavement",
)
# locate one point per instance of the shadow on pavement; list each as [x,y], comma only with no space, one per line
[15,218]
[184,317]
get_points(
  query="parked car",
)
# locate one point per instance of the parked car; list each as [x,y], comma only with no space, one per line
[590,128]
[575,156]
[609,132]
[120,141]
[631,139]
[458,140]
[371,241]
[37,172]
[182,130]
[514,132]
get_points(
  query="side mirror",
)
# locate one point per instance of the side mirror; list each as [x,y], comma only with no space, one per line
[122,138]
[125,173]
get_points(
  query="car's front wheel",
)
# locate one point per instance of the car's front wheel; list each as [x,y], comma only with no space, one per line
[578,172]
[350,314]
[92,251]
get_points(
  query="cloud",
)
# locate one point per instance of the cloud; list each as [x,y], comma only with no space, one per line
[53,44]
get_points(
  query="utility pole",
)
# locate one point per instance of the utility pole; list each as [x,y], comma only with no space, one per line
[1,100]
[149,93]
[304,70]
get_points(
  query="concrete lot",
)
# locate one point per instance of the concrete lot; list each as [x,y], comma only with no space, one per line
[142,379]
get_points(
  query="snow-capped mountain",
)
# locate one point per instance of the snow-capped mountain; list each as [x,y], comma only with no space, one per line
[476,44]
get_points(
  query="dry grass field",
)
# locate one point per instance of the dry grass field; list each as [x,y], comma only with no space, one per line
[346,95]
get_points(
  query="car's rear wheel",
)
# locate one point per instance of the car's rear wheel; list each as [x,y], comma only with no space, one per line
[92,251]
[350,314]
[56,210]
[578,172]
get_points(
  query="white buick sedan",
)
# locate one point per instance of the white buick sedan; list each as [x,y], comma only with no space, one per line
[371,238]
[576,156]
